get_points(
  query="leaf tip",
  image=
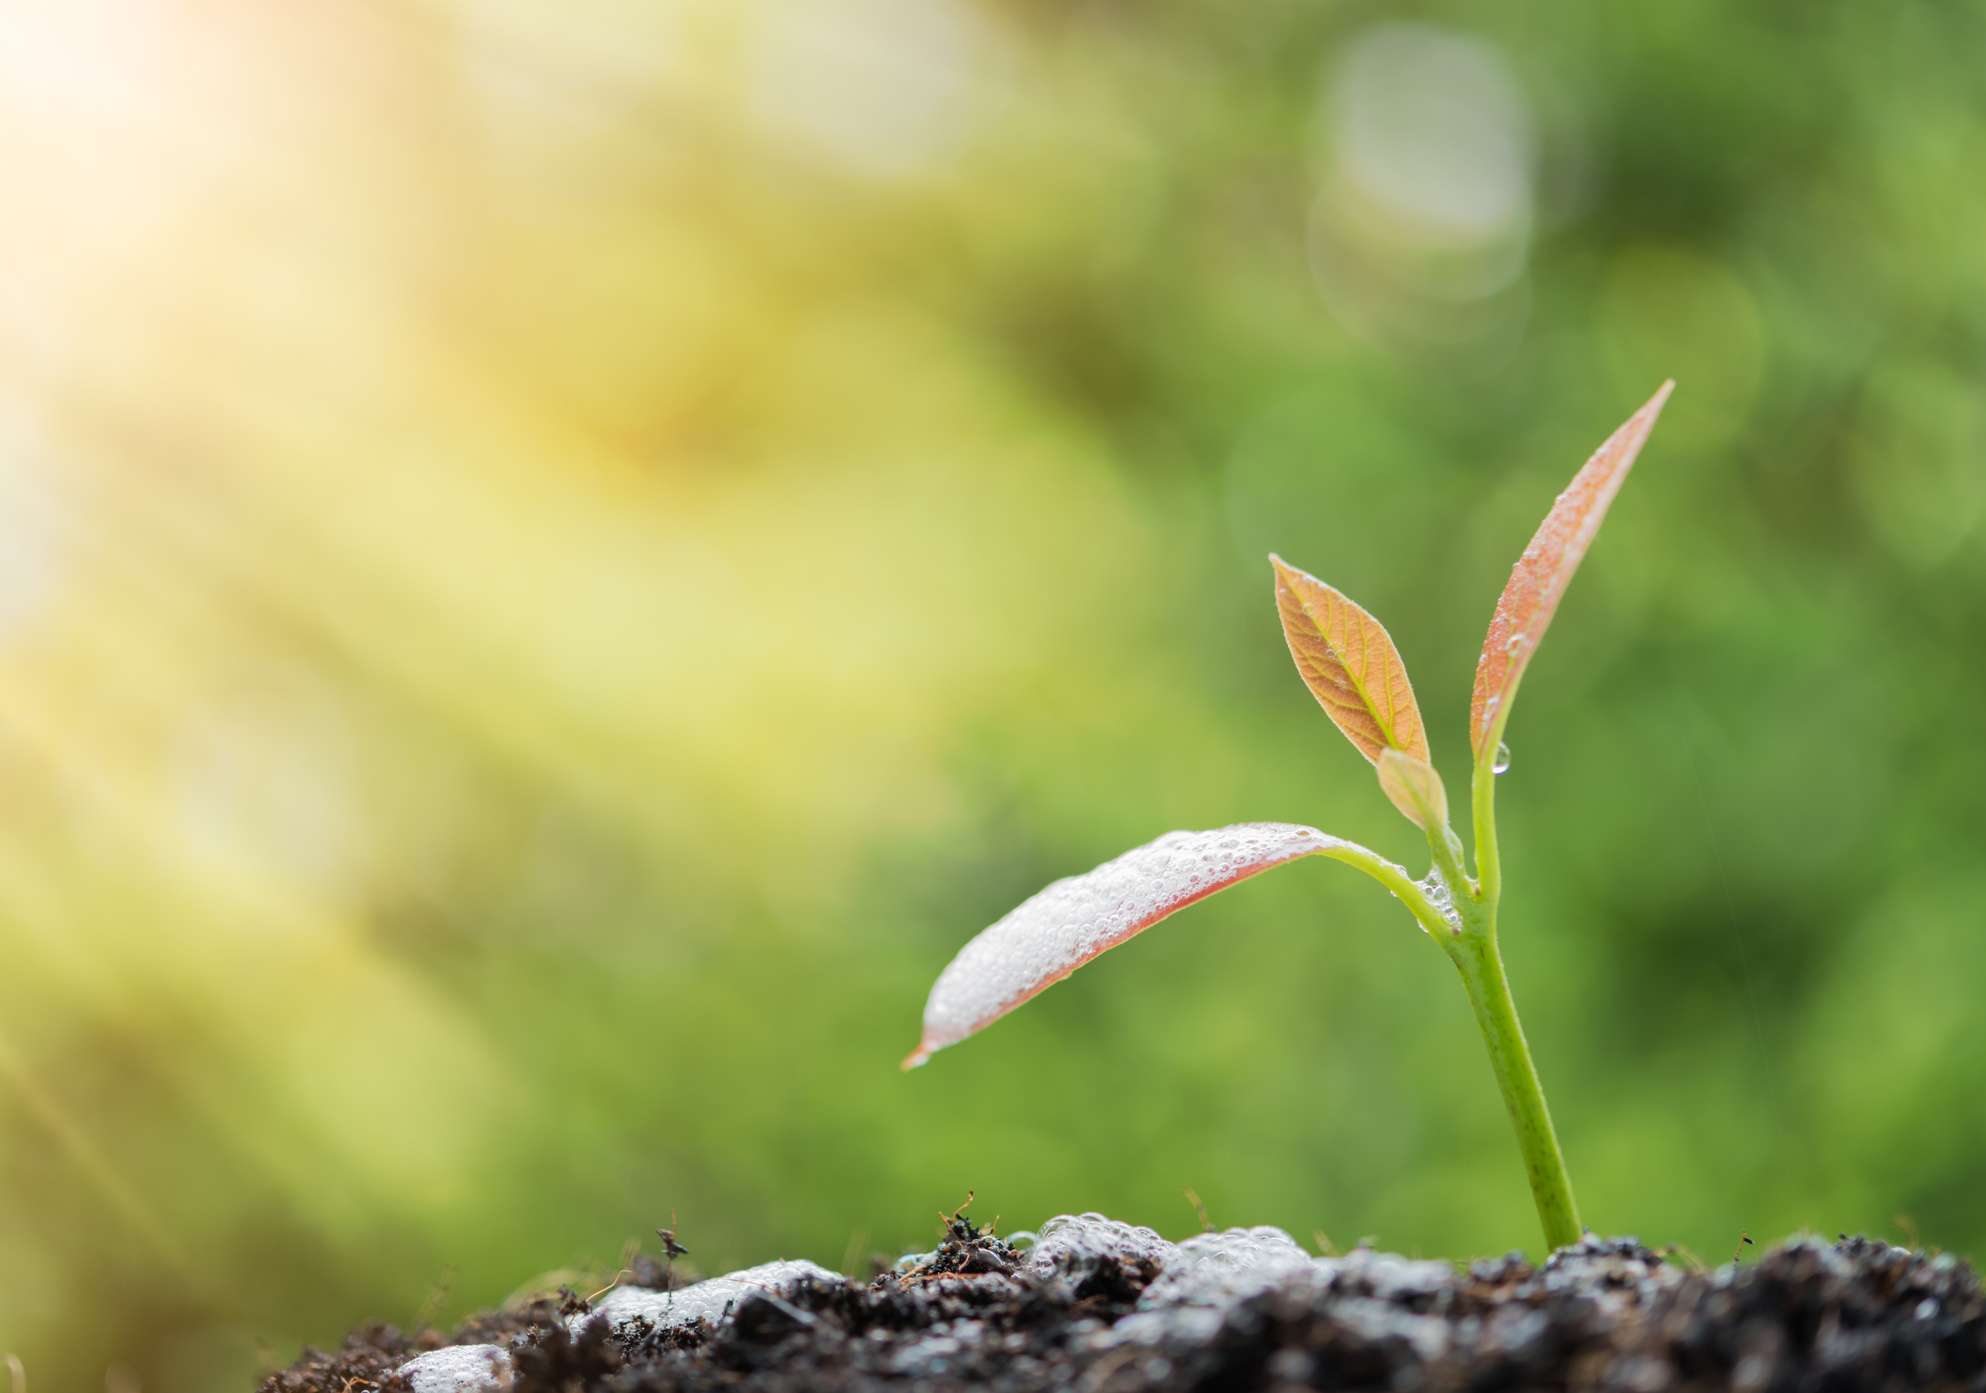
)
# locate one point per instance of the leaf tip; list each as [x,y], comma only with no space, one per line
[916,1059]
[1635,430]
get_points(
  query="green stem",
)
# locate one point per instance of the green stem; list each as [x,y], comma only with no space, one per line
[1481,966]
[1467,933]
[1482,798]
[1447,851]
[1393,877]
[1477,958]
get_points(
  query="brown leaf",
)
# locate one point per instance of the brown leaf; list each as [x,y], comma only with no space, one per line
[1539,579]
[1350,664]
[1415,788]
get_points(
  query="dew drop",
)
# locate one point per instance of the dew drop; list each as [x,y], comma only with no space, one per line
[1500,761]
[1438,894]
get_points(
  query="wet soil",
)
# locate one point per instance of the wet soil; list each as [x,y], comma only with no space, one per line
[1100,1307]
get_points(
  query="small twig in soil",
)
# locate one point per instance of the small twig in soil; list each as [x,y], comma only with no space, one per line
[1690,1261]
[630,1250]
[950,1224]
[672,1249]
[609,1287]
[1206,1224]
[1744,1241]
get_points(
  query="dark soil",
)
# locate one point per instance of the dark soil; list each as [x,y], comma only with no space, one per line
[1606,1314]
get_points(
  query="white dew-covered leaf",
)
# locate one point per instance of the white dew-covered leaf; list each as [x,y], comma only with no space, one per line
[1073,920]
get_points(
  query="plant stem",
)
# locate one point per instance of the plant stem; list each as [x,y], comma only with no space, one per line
[1481,966]
[1477,958]
[1489,865]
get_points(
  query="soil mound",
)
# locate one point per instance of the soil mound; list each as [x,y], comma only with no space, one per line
[1104,1307]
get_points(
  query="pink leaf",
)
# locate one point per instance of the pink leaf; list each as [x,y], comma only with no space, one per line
[1073,920]
[1538,581]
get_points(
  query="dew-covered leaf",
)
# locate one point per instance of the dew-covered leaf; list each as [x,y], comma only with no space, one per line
[1415,788]
[1349,662]
[1538,580]
[1073,920]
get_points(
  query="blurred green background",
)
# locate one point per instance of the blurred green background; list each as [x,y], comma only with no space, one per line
[559,557]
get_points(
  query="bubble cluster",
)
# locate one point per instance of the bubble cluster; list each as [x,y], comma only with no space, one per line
[1074,1244]
[1435,886]
[1219,1269]
[488,1368]
[459,1369]
[706,1301]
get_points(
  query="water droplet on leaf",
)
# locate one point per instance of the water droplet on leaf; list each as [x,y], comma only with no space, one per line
[1500,761]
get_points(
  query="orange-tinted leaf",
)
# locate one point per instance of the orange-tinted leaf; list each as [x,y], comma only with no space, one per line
[1073,920]
[1539,579]
[1350,664]
[1415,788]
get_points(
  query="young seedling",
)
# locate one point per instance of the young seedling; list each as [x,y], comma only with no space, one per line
[1351,666]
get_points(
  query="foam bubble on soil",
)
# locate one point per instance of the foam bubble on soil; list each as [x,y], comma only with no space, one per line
[706,1301]
[486,1368]
[459,1369]
[1074,1244]
[1219,1269]
[1208,1269]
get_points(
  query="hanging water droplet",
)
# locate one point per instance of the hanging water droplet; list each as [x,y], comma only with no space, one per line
[1500,761]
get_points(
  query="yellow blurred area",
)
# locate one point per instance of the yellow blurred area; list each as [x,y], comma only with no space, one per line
[369,437]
